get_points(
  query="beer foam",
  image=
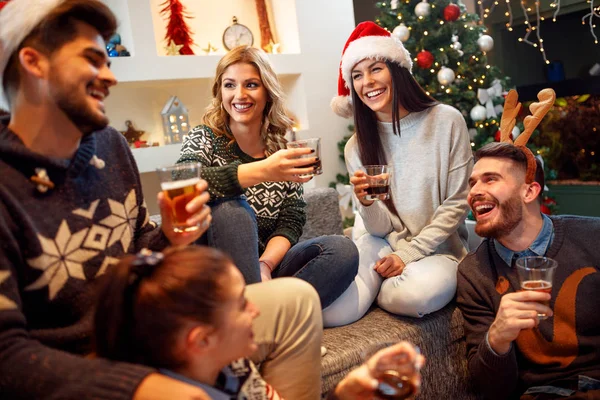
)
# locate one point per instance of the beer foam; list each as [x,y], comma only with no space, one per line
[179,184]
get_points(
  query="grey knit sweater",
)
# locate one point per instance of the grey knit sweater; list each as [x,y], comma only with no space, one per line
[431,163]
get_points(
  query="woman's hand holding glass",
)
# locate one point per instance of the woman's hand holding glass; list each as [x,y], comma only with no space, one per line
[285,165]
[401,361]
[360,182]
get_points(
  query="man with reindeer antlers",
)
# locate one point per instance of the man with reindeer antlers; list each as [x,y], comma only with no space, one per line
[511,353]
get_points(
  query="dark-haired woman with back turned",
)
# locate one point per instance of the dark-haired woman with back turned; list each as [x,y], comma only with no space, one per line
[413,241]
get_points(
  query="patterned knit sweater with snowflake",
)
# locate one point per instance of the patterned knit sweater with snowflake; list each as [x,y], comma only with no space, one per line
[279,206]
[54,246]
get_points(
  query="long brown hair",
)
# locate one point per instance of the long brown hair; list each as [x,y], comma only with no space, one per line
[143,304]
[57,29]
[406,93]
[277,121]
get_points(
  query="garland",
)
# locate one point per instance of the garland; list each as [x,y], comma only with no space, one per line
[178,31]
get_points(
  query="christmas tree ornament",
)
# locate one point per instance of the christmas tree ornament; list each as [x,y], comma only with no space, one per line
[394,4]
[401,32]
[451,12]
[456,45]
[486,96]
[445,76]
[425,59]
[178,32]
[515,132]
[423,9]
[485,43]
[473,133]
[478,113]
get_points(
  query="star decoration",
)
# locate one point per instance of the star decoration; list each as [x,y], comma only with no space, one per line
[62,258]
[173,49]
[272,47]
[5,302]
[210,49]
[123,220]
[131,134]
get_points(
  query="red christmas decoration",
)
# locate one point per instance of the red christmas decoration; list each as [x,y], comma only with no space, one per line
[545,209]
[425,59]
[498,134]
[451,12]
[178,30]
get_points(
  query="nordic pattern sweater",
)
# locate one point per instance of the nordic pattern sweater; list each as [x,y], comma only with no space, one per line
[279,206]
[54,246]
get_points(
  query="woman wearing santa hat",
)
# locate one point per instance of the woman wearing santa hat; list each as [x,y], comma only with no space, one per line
[412,242]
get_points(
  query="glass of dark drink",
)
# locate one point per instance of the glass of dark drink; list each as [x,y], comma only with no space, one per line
[315,144]
[537,273]
[394,372]
[378,177]
[178,184]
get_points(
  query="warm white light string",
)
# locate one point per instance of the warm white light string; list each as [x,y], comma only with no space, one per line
[591,16]
[557,5]
[510,16]
[538,31]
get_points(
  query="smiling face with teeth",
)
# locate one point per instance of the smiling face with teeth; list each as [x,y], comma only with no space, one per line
[244,95]
[498,196]
[79,79]
[372,83]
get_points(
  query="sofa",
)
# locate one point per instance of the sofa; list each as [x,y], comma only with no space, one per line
[440,336]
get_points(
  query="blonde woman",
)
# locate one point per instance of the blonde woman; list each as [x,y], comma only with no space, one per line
[256,192]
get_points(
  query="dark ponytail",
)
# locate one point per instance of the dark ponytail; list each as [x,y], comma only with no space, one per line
[144,303]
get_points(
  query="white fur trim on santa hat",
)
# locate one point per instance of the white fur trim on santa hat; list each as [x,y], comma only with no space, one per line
[342,106]
[376,47]
[17,19]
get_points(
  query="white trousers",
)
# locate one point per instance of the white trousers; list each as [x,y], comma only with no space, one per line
[423,287]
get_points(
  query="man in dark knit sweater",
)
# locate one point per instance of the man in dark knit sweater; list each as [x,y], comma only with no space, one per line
[71,205]
[512,354]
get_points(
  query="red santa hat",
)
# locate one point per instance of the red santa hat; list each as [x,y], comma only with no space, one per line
[368,40]
[17,19]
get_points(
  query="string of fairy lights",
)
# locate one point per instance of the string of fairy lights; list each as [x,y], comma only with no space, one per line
[538,42]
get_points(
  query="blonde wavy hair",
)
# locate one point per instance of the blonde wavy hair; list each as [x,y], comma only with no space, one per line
[277,121]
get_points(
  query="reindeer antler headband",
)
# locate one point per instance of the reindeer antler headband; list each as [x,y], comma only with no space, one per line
[538,110]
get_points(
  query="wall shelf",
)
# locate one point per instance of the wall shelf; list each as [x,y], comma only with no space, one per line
[312,34]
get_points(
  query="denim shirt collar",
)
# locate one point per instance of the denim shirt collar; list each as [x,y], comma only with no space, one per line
[537,248]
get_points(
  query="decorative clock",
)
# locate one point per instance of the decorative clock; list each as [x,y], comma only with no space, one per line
[237,35]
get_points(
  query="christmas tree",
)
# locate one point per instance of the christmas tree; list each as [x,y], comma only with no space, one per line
[449,48]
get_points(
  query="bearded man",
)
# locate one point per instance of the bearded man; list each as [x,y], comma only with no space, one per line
[511,352]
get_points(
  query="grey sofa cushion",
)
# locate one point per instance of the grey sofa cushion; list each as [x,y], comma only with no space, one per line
[440,337]
[323,216]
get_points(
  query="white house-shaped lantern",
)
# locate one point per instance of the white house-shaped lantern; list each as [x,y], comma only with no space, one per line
[175,120]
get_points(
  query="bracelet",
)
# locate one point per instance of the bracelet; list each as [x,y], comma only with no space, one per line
[267,264]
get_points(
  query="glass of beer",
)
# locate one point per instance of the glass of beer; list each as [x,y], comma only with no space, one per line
[536,273]
[315,144]
[394,374]
[378,178]
[178,183]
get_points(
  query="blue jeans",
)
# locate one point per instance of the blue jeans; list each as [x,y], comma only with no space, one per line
[233,230]
[328,263]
